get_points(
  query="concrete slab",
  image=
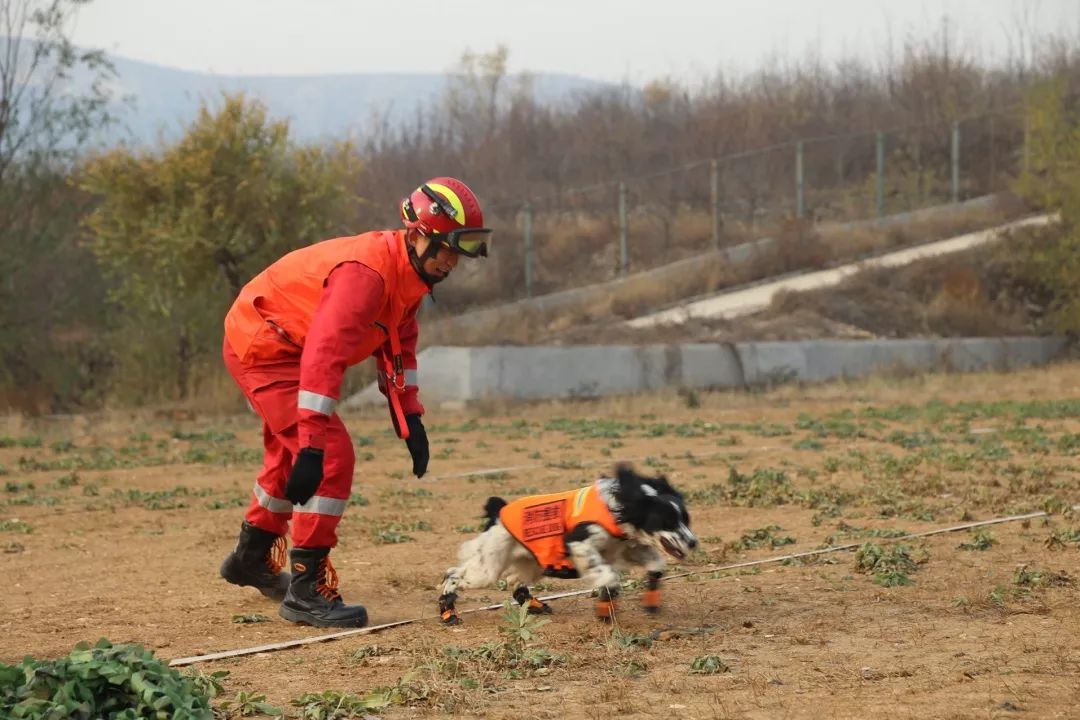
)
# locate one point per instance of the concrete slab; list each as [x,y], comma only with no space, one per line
[737,303]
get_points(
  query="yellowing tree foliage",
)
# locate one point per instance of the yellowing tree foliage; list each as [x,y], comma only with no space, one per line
[178,232]
[1051,263]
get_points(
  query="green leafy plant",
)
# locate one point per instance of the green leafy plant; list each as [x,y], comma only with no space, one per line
[389,537]
[247,704]
[630,640]
[981,539]
[208,684]
[334,705]
[708,665]
[249,619]
[1032,578]
[1061,538]
[101,681]
[519,627]
[17,526]
[764,487]
[396,532]
[890,565]
[762,537]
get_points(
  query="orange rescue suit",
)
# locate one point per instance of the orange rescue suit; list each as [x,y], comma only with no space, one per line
[540,523]
[270,318]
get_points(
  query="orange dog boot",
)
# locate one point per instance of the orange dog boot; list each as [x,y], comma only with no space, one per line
[650,599]
[605,606]
[538,607]
[522,596]
[448,614]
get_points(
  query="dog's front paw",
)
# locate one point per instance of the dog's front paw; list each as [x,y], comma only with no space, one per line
[447,612]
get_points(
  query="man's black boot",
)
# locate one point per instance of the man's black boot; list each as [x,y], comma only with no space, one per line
[257,561]
[313,598]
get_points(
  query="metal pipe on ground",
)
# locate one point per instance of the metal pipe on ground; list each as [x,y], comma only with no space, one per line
[272,647]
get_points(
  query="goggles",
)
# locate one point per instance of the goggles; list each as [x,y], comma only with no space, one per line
[470,242]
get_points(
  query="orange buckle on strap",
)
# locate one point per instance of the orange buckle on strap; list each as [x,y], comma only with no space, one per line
[397,378]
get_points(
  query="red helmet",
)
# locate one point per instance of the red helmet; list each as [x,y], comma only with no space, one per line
[445,210]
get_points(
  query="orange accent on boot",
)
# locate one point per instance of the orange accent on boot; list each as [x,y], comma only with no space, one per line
[275,559]
[605,609]
[327,582]
[536,605]
[449,616]
[651,599]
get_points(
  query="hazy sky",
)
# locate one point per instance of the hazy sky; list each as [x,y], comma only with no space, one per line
[635,40]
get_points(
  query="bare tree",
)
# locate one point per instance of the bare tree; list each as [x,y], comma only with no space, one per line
[50,289]
[39,121]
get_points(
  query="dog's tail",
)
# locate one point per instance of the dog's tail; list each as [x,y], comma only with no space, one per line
[491,511]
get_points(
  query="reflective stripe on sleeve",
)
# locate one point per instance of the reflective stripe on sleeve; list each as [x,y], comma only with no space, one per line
[322,404]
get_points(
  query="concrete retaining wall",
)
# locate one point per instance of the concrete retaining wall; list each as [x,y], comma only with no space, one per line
[459,374]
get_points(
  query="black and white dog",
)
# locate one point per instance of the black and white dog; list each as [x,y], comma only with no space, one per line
[618,522]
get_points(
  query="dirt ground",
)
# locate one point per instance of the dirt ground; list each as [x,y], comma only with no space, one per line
[114,526]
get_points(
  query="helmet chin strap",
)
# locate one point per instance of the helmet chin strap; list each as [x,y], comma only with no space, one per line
[418,261]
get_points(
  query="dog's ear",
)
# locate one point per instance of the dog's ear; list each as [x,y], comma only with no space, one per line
[661,484]
[625,474]
[629,488]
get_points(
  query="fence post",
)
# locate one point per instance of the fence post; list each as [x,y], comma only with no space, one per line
[799,204]
[714,196]
[1027,142]
[527,227]
[714,199]
[956,161]
[920,188]
[624,255]
[880,156]
[993,164]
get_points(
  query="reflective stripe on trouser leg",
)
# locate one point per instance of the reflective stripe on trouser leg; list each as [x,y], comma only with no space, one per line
[269,509]
[314,524]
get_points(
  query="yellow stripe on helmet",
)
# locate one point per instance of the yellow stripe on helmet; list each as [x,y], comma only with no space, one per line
[455,201]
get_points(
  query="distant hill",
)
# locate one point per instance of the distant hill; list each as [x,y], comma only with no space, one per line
[166,99]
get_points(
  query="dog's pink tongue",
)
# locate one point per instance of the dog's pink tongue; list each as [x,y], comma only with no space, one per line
[672,550]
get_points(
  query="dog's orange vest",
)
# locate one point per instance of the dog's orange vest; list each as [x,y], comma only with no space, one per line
[540,522]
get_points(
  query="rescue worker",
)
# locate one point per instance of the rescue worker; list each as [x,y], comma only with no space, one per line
[289,337]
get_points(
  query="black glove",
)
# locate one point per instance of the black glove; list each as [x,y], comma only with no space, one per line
[417,444]
[305,476]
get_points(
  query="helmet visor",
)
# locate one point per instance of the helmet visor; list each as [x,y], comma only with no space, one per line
[470,242]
